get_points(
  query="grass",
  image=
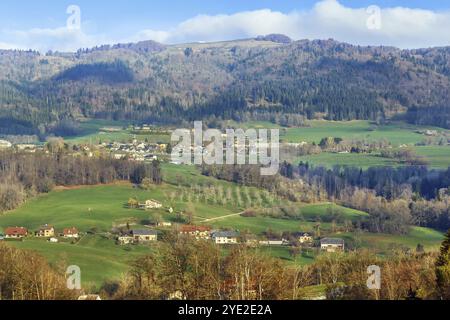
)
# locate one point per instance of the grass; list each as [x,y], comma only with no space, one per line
[397,133]
[98,258]
[282,252]
[92,132]
[325,210]
[438,156]
[363,161]
[102,206]
[429,238]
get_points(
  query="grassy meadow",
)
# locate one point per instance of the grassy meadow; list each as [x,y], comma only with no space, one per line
[95,210]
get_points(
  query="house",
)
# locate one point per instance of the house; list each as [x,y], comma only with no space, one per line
[90,297]
[272,243]
[15,232]
[125,239]
[119,156]
[150,204]
[46,231]
[144,235]
[225,237]
[198,232]
[303,237]
[70,233]
[332,244]
[164,224]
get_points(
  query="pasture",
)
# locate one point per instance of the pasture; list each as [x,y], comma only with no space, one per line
[397,133]
[94,210]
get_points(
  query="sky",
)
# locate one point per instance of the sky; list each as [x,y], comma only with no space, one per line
[48,25]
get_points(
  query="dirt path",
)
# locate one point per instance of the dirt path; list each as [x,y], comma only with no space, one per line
[223,217]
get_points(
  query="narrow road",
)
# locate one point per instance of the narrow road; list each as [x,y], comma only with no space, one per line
[223,217]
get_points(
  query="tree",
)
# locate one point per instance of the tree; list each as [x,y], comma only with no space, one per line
[443,269]
[26,275]
[190,211]
[169,149]
[156,172]
[188,52]
[146,184]
[420,248]
[139,174]
[133,203]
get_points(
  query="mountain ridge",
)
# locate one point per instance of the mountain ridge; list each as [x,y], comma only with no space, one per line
[233,79]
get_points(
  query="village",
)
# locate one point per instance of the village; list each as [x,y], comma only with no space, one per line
[134,150]
[124,235]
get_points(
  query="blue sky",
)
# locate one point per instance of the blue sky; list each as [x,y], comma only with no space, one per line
[39,24]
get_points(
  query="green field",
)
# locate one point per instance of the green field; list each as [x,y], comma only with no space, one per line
[98,258]
[93,132]
[429,238]
[397,133]
[347,159]
[94,210]
[438,156]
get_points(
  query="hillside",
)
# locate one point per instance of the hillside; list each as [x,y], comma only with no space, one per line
[244,79]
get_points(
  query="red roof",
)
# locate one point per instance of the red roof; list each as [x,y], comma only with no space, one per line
[16,231]
[189,229]
[70,231]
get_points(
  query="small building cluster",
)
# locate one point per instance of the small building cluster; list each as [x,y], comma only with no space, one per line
[150,204]
[137,151]
[45,231]
[332,245]
[139,236]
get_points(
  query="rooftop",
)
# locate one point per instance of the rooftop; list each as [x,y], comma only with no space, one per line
[144,232]
[225,234]
[188,228]
[335,241]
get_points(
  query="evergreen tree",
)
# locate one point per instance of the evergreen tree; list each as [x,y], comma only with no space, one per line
[443,269]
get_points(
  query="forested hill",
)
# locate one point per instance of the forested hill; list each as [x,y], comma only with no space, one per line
[240,79]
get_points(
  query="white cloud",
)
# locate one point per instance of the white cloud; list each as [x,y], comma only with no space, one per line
[61,39]
[401,27]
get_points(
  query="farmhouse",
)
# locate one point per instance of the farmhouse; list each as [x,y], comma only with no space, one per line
[125,239]
[303,237]
[15,232]
[164,224]
[90,297]
[332,244]
[272,242]
[150,204]
[225,237]
[46,231]
[144,235]
[198,232]
[70,233]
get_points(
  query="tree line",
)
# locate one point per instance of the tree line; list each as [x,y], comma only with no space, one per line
[24,175]
[198,270]
[395,198]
